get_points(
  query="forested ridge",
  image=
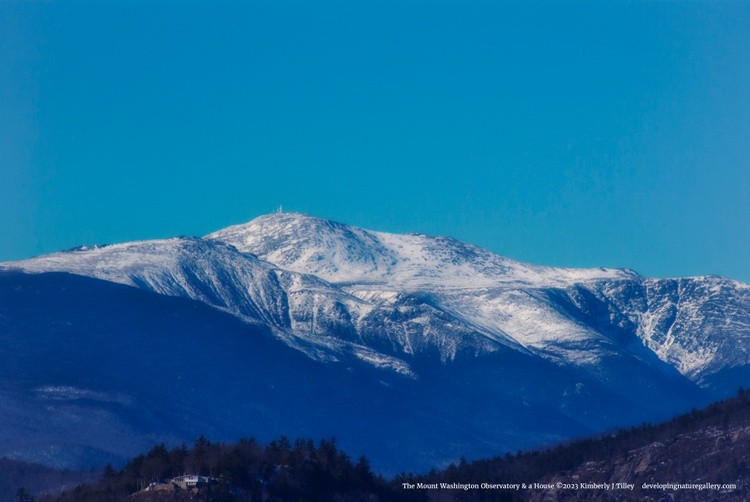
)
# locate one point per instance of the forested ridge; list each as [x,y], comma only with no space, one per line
[246,470]
[711,445]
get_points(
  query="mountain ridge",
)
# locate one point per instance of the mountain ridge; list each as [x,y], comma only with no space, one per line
[293,272]
[291,235]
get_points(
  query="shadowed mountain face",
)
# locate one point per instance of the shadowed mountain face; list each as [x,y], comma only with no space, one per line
[412,349]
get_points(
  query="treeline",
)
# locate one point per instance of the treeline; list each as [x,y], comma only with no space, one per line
[246,470]
[301,470]
[534,466]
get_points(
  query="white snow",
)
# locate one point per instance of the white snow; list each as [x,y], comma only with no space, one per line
[335,291]
[341,254]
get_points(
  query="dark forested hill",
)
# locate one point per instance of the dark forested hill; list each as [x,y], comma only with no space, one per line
[246,470]
[703,455]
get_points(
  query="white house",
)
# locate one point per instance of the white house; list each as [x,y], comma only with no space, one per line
[190,481]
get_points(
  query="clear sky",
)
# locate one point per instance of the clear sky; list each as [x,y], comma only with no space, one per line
[584,134]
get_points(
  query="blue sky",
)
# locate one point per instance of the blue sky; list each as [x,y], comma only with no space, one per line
[583,134]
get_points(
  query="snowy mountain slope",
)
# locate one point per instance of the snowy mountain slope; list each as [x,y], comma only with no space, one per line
[342,254]
[339,292]
[384,328]
[207,271]
[477,293]
[691,324]
[699,325]
[305,311]
[325,322]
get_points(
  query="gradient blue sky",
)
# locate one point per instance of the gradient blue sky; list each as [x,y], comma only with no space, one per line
[585,134]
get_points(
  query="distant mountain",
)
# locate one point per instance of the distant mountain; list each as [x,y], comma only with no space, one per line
[467,352]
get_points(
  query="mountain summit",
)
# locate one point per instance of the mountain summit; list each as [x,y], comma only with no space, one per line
[343,254]
[546,352]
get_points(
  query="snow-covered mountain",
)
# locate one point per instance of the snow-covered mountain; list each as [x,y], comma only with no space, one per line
[493,340]
[342,254]
[700,325]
